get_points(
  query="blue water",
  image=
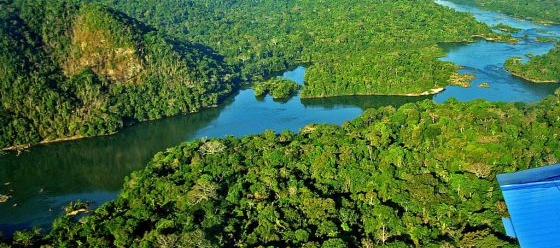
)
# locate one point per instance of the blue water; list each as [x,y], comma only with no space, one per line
[485,60]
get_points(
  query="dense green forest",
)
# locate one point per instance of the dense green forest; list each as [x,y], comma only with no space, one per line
[538,10]
[544,68]
[72,70]
[354,47]
[421,175]
[539,69]
[278,88]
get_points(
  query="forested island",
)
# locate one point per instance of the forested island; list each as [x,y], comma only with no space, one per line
[545,11]
[278,88]
[70,70]
[421,175]
[539,69]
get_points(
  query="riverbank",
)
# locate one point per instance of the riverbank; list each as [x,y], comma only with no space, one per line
[538,81]
[48,141]
[79,137]
[93,169]
[429,92]
[424,93]
[499,38]
[21,147]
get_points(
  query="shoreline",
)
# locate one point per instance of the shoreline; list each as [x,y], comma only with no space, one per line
[425,93]
[49,141]
[428,92]
[79,137]
[537,81]
[500,39]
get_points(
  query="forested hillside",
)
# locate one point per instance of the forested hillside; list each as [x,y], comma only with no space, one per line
[539,69]
[73,70]
[354,47]
[538,10]
[421,175]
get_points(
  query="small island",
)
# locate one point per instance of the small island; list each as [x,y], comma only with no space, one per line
[461,80]
[278,88]
[506,28]
[484,85]
[545,39]
[4,198]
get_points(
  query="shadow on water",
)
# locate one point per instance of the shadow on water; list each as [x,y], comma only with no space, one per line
[362,102]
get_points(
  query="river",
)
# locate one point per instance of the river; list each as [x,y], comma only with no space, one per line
[47,177]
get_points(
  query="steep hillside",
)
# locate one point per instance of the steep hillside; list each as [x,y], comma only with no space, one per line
[72,70]
[107,45]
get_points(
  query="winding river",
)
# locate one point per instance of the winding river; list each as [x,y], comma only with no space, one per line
[47,177]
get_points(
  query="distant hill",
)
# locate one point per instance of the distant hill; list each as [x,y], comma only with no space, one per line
[71,70]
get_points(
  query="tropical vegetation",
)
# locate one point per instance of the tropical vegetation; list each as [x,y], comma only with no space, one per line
[278,88]
[72,70]
[353,47]
[421,175]
[539,69]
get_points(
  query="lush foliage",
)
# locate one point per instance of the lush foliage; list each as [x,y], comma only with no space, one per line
[70,69]
[540,69]
[538,10]
[278,88]
[422,175]
[354,46]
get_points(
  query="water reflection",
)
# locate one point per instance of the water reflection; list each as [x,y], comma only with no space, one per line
[47,177]
[362,102]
